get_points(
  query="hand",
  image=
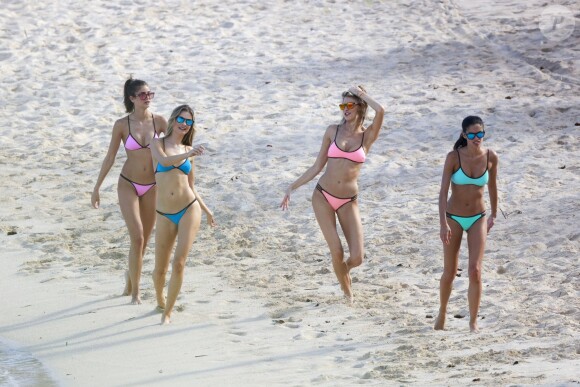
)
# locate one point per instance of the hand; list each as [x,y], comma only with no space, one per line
[490,223]
[95,199]
[356,90]
[286,200]
[210,219]
[196,150]
[445,234]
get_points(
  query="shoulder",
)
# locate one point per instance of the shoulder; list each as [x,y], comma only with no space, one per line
[493,157]
[331,130]
[452,155]
[120,123]
[159,120]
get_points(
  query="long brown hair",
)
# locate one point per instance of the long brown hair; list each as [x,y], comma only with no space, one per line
[188,138]
[362,106]
[130,90]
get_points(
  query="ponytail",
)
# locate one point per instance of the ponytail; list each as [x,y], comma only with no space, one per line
[467,122]
[460,143]
[129,90]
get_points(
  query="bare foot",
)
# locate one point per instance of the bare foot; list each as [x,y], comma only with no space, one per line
[136,300]
[473,327]
[127,290]
[159,309]
[161,302]
[440,322]
[349,299]
[165,319]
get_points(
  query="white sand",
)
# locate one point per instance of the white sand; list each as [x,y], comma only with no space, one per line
[260,304]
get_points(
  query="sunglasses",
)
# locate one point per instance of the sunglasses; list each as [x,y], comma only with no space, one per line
[471,136]
[348,105]
[146,94]
[181,120]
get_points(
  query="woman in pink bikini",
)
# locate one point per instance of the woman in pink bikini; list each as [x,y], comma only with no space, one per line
[136,186]
[344,148]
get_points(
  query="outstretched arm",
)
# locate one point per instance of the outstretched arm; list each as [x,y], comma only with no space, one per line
[313,170]
[108,162]
[372,132]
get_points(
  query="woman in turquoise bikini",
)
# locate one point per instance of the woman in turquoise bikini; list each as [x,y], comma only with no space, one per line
[179,206]
[465,211]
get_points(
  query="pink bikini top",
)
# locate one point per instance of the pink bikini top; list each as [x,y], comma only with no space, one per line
[356,156]
[132,144]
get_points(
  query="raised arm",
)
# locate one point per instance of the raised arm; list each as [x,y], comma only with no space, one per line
[448,168]
[372,132]
[314,170]
[108,162]
[492,188]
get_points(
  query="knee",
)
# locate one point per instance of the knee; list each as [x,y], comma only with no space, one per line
[337,252]
[475,274]
[159,273]
[138,239]
[178,266]
[356,259]
[448,276]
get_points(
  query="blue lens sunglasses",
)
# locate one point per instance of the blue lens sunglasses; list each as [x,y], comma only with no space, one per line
[471,136]
[188,122]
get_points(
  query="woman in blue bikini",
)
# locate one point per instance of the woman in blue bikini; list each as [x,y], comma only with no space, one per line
[465,211]
[136,186]
[179,205]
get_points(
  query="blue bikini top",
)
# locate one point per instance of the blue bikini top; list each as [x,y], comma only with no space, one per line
[459,177]
[184,167]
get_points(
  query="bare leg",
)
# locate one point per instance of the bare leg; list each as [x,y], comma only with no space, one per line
[476,242]
[187,230]
[349,218]
[450,263]
[148,215]
[327,221]
[129,203]
[164,241]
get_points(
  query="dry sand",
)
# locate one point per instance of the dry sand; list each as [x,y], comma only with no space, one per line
[260,304]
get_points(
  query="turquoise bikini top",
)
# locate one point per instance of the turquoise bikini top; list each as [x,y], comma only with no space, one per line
[184,167]
[460,178]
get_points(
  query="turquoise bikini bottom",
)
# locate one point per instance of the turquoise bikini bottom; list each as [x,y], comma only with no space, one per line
[466,221]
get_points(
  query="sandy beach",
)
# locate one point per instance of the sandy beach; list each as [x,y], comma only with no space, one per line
[260,305]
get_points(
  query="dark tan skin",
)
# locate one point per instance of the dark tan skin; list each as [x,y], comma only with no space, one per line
[340,178]
[138,212]
[466,200]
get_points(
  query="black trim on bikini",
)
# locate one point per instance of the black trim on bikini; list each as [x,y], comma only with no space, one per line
[473,178]
[335,143]
[175,213]
[134,139]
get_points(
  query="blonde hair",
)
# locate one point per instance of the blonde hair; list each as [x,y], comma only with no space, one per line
[362,105]
[188,138]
